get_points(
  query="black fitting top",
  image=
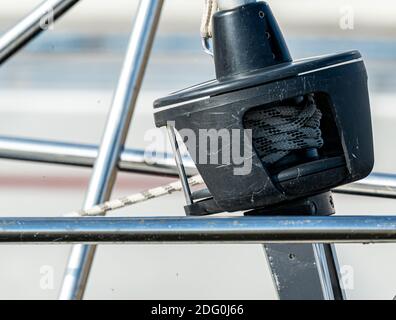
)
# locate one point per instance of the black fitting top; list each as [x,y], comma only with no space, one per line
[247,38]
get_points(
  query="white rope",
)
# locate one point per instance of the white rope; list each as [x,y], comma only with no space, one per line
[211,6]
[102,209]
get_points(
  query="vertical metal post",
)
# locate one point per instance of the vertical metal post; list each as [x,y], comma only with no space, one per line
[33,24]
[306,271]
[323,271]
[116,130]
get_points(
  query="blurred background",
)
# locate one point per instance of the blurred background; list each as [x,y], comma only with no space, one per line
[60,88]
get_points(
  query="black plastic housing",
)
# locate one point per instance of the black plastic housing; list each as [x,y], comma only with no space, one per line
[247,78]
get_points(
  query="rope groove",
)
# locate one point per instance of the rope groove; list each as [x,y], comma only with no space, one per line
[279,130]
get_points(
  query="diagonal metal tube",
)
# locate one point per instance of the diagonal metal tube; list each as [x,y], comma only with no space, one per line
[32,25]
[104,172]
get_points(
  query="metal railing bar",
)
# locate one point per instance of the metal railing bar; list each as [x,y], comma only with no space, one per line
[105,168]
[33,24]
[84,155]
[381,185]
[295,229]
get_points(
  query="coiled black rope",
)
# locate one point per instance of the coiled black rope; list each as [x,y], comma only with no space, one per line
[277,131]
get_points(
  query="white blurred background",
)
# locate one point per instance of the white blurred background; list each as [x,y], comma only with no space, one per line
[60,88]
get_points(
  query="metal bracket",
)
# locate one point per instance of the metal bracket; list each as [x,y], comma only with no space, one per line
[304,271]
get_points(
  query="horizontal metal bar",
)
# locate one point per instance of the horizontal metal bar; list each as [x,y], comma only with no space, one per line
[85,155]
[375,185]
[132,160]
[338,229]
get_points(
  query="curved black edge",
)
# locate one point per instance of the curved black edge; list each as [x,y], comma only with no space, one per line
[161,116]
[256,77]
